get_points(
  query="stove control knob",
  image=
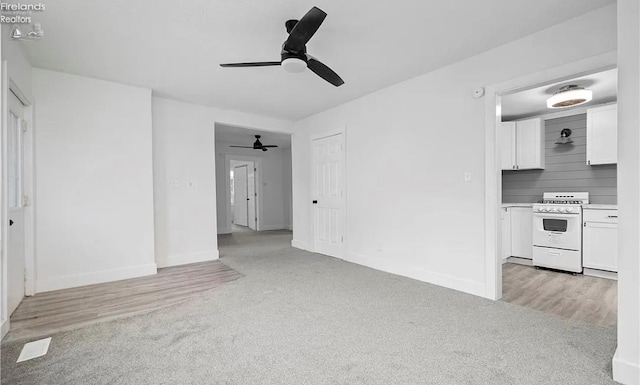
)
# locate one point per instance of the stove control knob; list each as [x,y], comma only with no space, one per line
[555,210]
[562,210]
[569,209]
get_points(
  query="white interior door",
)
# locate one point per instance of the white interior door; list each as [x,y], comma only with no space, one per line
[240,205]
[15,232]
[251,197]
[328,195]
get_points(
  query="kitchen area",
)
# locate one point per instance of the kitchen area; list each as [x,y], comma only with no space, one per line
[558,146]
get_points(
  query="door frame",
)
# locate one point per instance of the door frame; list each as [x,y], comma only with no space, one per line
[7,85]
[325,134]
[493,169]
[28,190]
[257,161]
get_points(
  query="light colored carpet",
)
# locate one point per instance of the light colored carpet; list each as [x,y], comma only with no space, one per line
[302,318]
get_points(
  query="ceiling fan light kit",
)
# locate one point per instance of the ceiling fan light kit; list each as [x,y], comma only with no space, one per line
[569,96]
[294,57]
[294,65]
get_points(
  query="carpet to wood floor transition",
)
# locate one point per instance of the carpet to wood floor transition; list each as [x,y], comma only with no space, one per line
[55,311]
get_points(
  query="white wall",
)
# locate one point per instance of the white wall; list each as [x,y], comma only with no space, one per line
[626,364]
[183,152]
[94,192]
[274,206]
[408,209]
[19,66]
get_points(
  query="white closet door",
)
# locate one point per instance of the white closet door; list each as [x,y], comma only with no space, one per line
[328,189]
[240,205]
[251,197]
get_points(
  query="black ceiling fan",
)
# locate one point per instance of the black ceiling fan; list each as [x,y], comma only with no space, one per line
[257,145]
[294,56]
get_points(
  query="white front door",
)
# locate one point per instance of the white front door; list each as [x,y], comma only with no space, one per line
[240,195]
[251,197]
[15,232]
[328,176]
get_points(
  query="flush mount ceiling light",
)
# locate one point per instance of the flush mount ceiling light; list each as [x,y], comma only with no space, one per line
[569,96]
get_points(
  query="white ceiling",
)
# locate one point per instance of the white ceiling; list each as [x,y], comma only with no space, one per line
[533,102]
[241,136]
[174,47]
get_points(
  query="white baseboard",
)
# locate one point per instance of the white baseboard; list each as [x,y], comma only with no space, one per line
[84,279]
[600,273]
[390,266]
[520,261]
[625,372]
[4,329]
[224,230]
[301,245]
[185,259]
[289,227]
[272,227]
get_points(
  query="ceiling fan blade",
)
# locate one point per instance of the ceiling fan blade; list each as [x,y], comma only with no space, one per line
[242,146]
[254,64]
[323,71]
[304,30]
[270,146]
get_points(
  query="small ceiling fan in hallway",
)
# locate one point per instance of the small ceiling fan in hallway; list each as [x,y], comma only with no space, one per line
[257,145]
[294,56]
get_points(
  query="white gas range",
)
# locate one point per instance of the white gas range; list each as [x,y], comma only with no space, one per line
[557,231]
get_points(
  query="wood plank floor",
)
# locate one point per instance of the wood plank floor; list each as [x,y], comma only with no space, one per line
[578,298]
[47,313]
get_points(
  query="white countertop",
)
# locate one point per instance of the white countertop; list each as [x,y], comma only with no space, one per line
[517,205]
[597,206]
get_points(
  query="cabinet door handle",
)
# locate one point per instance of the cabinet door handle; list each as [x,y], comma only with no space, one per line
[588,162]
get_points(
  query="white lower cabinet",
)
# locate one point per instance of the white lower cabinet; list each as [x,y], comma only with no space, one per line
[600,240]
[517,232]
[506,232]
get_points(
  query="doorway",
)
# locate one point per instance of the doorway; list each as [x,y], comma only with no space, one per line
[530,181]
[253,181]
[243,195]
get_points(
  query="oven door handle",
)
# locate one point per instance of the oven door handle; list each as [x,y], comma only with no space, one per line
[556,215]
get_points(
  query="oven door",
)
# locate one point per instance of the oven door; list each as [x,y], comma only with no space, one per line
[562,231]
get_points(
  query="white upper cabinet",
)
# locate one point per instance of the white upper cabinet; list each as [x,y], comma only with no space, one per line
[522,144]
[602,135]
[507,137]
[529,144]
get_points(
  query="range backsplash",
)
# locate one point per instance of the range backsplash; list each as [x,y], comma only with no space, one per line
[566,168]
